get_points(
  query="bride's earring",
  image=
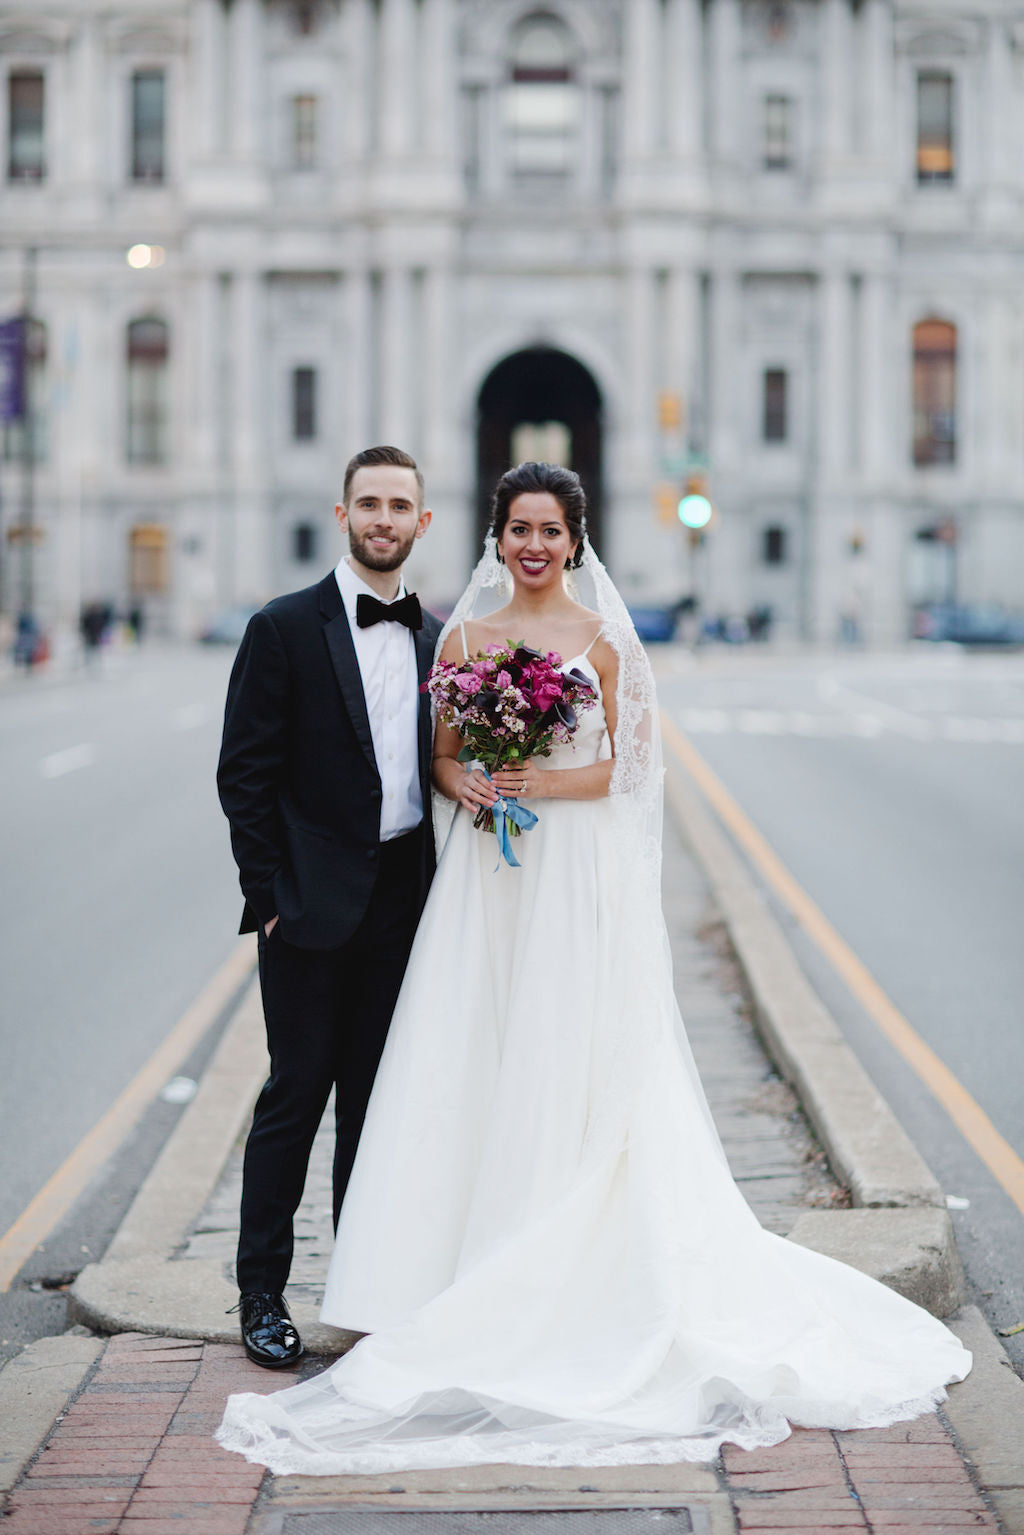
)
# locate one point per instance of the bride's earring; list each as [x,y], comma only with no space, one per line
[501,557]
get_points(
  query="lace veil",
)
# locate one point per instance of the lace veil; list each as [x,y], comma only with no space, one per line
[636,785]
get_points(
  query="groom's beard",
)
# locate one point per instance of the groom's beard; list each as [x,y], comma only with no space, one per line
[379,559]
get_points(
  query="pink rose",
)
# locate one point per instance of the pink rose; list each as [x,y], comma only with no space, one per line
[545,693]
[503,680]
[467,682]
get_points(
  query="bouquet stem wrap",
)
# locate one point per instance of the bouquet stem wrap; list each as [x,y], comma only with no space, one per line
[505,811]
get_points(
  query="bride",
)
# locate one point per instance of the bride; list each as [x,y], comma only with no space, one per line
[541,1236]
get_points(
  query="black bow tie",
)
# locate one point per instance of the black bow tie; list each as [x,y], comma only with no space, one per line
[405,611]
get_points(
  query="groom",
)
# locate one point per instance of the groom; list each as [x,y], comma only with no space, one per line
[324,777]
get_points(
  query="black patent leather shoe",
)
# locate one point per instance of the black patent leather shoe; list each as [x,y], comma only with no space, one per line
[269,1335]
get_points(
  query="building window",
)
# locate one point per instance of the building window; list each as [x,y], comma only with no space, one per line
[934,392]
[25,146]
[778,133]
[148,112]
[935,157]
[303,404]
[775,412]
[773,548]
[304,542]
[146,426]
[148,563]
[25,423]
[304,114]
[541,99]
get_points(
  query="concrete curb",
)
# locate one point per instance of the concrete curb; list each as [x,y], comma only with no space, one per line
[901,1232]
[35,1387]
[987,1414]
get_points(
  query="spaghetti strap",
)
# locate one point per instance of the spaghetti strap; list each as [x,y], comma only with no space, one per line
[462,631]
[593,642]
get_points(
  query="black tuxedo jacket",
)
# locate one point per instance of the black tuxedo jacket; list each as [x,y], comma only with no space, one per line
[297,776]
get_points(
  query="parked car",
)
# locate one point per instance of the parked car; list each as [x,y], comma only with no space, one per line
[968,624]
[228,627]
[654,625]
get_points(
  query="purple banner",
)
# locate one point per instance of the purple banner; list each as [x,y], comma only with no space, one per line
[12,369]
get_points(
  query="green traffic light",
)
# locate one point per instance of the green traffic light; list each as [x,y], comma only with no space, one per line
[694,511]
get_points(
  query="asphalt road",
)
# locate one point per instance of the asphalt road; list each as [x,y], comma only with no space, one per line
[891,787]
[118,899]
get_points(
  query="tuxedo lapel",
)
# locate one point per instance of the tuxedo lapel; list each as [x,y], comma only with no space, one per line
[424,659]
[343,658]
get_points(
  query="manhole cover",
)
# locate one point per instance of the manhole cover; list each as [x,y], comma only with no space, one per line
[414,1521]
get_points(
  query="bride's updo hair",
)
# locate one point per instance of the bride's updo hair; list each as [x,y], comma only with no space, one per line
[530,478]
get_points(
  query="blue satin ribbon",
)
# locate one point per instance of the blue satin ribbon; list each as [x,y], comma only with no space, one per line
[503,811]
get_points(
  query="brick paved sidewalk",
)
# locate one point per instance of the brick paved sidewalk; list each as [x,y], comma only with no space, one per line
[134,1452]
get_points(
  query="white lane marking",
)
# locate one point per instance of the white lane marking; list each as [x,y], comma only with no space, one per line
[67,761]
[191,716]
[768,722]
[898,720]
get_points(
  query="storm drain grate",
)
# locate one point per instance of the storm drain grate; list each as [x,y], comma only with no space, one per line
[418,1521]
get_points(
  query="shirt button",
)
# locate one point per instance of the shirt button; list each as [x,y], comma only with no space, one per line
[371,853]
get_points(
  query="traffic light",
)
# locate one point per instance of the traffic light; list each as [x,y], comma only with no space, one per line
[695,510]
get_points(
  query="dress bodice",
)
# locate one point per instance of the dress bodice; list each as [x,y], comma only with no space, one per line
[590,742]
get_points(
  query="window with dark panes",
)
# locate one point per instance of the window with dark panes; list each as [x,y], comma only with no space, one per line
[304,132]
[303,404]
[935,151]
[774,421]
[26,159]
[146,434]
[934,392]
[542,105]
[148,126]
[777,142]
[773,549]
[304,542]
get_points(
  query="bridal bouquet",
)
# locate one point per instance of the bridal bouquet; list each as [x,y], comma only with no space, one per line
[509,703]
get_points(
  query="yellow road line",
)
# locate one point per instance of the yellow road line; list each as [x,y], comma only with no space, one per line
[966,1113]
[59,1193]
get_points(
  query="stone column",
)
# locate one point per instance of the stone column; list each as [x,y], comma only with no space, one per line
[248,95]
[722,394]
[357,368]
[437,372]
[876,404]
[253,533]
[87,136]
[684,77]
[397,76]
[357,41]
[681,342]
[208,79]
[398,355]
[879,79]
[836,76]
[642,464]
[438,78]
[1001,142]
[725,39]
[642,77]
[203,353]
[835,368]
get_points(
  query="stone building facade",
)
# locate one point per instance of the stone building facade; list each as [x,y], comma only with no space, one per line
[777,244]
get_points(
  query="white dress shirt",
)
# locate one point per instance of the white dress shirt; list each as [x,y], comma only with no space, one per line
[387,666]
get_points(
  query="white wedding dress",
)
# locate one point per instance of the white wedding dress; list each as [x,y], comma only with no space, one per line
[541,1234]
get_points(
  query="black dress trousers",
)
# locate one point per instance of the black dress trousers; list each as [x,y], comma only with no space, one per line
[327,1013]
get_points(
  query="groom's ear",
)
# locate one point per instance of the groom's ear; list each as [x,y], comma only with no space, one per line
[342,516]
[422,525]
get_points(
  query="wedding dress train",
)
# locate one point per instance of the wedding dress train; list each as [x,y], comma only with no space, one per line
[541,1235]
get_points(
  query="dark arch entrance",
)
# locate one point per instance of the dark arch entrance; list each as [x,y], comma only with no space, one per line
[533,388]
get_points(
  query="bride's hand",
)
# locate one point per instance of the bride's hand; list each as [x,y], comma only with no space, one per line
[524,781]
[473,790]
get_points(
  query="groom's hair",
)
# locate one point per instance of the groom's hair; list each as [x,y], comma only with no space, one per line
[369,458]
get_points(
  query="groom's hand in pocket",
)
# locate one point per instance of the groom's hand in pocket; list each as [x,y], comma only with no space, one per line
[269,928]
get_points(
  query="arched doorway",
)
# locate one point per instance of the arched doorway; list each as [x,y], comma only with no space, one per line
[535,400]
